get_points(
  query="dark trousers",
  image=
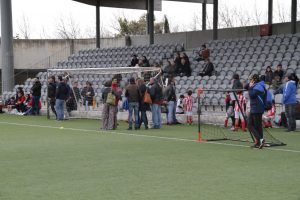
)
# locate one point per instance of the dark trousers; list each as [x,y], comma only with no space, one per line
[143,118]
[290,116]
[52,105]
[35,105]
[255,125]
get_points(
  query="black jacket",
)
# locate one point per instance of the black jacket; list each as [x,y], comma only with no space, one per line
[51,90]
[36,89]
[208,69]
[156,93]
[170,93]
[143,106]
[62,91]
[237,85]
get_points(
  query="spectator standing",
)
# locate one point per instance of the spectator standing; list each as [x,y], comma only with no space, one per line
[109,112]
[62,94]
[133,96]
[179,105]
[88,93]
[143,105]
[156,94]
[77,94]
[208,68]
[52,93]
[279,72]
[256,92]
[269,75]
[170,98]
[169,70]
[289,100]
[295,78]
[237,85]
[36,95]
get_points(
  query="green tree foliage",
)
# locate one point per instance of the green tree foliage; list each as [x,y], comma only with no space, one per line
[139,27]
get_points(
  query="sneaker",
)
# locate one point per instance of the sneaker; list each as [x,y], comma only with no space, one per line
[129,129]
[262,143]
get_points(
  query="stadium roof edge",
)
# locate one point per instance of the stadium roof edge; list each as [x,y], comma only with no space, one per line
[136,4]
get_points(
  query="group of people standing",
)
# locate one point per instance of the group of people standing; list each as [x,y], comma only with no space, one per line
[61,96]
[254,100]
[140,98]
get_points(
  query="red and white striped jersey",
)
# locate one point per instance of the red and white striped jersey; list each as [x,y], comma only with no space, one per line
[188,102]
[242,102]
[272,111]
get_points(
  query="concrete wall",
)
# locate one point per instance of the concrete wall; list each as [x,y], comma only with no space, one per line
[42,54]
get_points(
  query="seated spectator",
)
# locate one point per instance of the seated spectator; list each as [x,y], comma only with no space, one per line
[187,60]
[29,110]
[184,69]
[269,75]
[269,116]
[145,62]
[208,68]
[20,102]
[134,61]
[276,82]
[11,104]
[203,54]
[279,72]
[177,59]
[169,70]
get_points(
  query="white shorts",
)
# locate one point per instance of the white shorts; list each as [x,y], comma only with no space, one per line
[238,114]
[189,113]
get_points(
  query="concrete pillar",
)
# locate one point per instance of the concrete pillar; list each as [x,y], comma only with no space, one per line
[98,23]
[204,15]
[215,20]
[270,12]
[150,20]
[294,16]
[7,46]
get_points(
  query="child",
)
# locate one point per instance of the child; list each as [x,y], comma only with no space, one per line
[228,103]
[239,108]
[179,106]
[188,107]
[269,116]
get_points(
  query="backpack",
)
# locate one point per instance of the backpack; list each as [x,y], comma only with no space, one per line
[268,100]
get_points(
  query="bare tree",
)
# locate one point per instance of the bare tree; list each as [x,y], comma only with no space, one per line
[24,28]
[226,17]
[68,28]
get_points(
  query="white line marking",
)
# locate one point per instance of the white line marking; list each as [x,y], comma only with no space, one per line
[145,136]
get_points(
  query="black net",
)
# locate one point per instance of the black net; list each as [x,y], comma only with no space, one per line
[219,121]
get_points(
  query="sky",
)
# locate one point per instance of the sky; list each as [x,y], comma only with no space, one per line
[44,16]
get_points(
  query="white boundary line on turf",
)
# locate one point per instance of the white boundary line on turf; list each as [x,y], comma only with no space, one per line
[141,135]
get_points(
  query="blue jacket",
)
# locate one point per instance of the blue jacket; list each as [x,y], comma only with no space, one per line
[288,91]
[256,91]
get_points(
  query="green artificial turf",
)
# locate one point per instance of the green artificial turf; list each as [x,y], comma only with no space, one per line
[80,162]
